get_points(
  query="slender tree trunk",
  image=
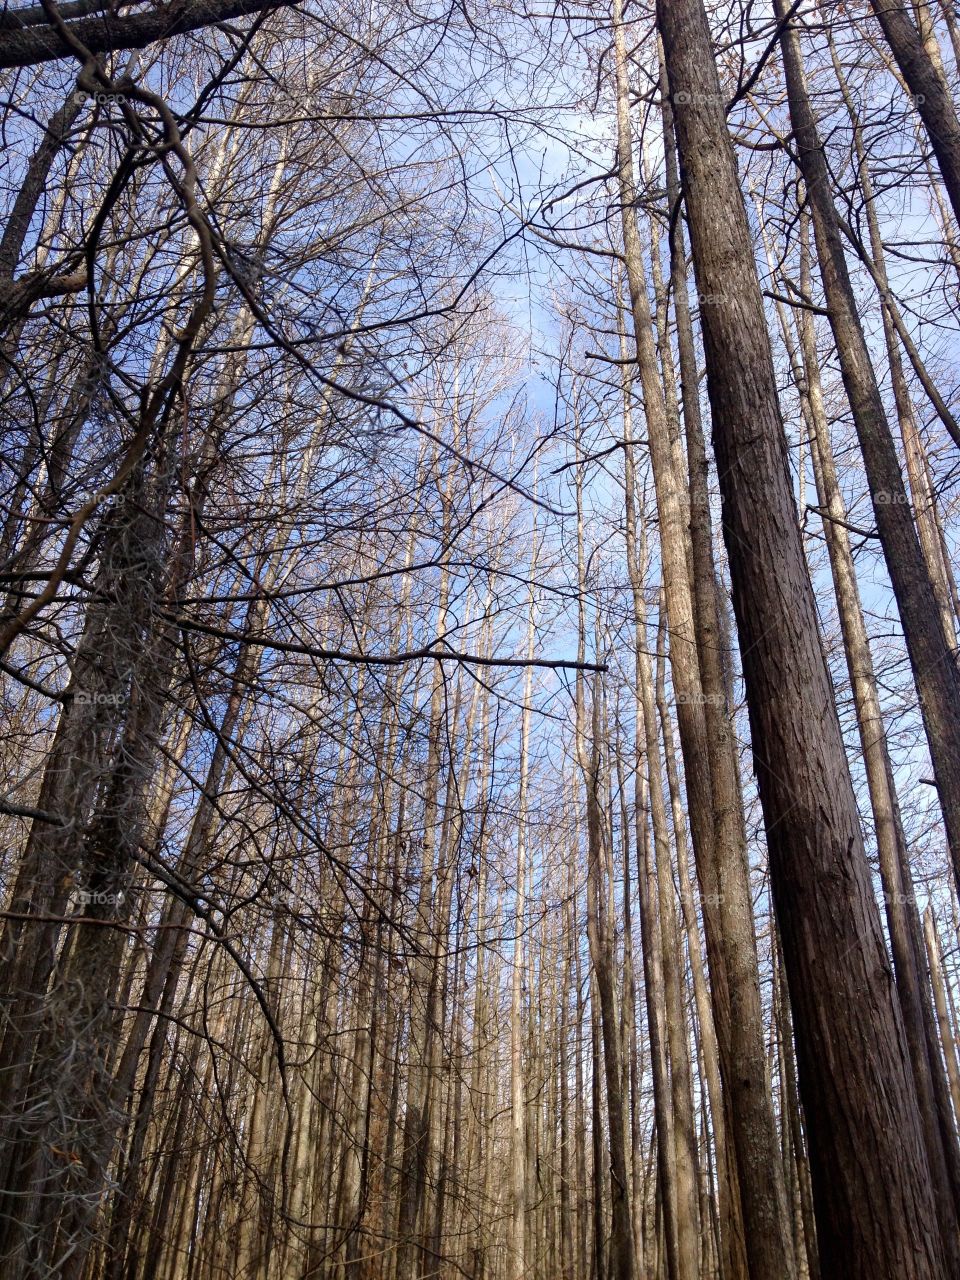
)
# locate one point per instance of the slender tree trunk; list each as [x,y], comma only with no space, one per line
[947,1037]
[676,1170]
[602,963]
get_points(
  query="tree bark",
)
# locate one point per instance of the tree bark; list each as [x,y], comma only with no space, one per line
[875,1216]
[935,668]
[712,790]
[931,96]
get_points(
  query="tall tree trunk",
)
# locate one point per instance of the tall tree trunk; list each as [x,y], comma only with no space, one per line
[602,963]
[891,842]
[947,1036]
[935,668]
[875,1207]
[516,1248]
[931,96]
[712,791]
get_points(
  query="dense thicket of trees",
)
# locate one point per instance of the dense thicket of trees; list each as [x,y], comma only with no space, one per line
[478,641]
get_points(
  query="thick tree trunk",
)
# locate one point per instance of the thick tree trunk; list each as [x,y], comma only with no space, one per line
[712,790]
[891,843]
[875,1206]
[935,668]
